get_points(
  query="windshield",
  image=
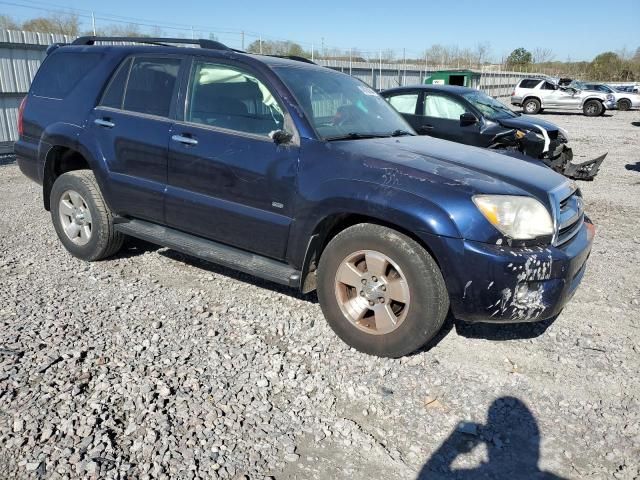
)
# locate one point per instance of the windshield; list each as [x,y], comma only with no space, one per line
[490,107]
[339,106]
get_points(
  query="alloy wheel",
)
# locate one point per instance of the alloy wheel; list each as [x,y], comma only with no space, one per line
[75,217]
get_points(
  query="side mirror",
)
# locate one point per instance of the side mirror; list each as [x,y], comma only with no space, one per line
[468,118]
[280,137]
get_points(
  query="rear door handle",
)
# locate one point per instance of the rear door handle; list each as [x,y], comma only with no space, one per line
[184,140]
[104,123]
[426,128]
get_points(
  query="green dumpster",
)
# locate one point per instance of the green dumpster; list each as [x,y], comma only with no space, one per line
[463,78]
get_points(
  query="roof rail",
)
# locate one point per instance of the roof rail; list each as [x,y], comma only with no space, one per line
[203,43]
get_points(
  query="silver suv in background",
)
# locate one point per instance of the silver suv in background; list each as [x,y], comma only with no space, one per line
[536,94]
[624,100]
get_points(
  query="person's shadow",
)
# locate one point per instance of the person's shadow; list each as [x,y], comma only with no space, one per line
[512,438]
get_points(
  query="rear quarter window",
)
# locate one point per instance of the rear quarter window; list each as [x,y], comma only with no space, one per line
[61,72]
[528,83]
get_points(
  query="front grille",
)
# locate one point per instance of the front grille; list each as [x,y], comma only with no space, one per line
[570,217]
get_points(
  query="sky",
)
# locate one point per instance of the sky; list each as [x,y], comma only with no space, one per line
[572,30]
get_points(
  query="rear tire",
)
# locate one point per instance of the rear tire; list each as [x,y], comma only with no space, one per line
[624,104]
[81,217]
[531,106]
[380,291]
[593,108]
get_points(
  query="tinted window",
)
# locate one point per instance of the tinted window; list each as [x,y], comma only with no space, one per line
[405,103]
[115,91]
[529,83]
[439,106]
[151,85]
[548,86]
[224,97]
[61,72]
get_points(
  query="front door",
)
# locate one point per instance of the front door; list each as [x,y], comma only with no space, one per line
[227,179]
[131,127]
[406,103]
[440,117]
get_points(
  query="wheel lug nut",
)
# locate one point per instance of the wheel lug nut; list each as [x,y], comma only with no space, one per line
[374,279]
[364,281]
[383,288]
[362,293]
[381,300]
[371,303]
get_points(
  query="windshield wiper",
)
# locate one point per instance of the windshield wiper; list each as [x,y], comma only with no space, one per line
[402,133]
[356,136]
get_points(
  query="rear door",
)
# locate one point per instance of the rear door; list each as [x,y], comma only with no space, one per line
[406,102]
[228,180]
[131,127]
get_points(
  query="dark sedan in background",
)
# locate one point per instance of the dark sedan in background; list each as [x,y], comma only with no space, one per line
[469,116]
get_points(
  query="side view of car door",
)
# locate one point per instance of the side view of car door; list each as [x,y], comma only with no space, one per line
[130,128]
[228,179]
[440,116]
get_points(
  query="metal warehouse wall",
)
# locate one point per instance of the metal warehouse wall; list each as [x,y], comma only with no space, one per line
[22,52]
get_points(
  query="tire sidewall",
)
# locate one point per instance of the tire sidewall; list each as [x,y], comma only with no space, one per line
[92,249]
[534,102]
[426,310]
[624,105]
[599,108]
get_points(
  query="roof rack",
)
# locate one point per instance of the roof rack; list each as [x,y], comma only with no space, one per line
[203,43]
[298,58]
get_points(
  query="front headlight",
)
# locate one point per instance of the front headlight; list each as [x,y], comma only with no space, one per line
[610,97]
[517,217]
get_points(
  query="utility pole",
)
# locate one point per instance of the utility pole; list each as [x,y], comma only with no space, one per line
[312,52]
[404,74]
[380,76]
[260,43]
[322,49]
[193,34]
[350,61]
[242,35]
[93,23]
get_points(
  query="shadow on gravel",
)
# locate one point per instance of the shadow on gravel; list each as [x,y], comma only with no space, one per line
[235,275]
[512,438]
[133,247]
[633,166]
[566,114]
[507,331]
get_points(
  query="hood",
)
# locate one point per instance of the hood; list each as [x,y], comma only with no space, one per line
[525,122]
[447,167]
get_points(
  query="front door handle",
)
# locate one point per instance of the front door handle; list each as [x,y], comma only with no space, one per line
[184,140]
[425,128]
[104,123]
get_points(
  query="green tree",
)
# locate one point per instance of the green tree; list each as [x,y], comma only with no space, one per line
[275,47]
[606,66]
[520,57]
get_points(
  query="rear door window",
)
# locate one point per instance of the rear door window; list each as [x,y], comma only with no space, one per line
[404,103]
[114,94]
[151,87]
[61,72]
[529,83]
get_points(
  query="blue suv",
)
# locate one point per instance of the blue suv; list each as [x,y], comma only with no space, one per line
[300,175]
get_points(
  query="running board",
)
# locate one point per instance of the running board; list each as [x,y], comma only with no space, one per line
[211,251]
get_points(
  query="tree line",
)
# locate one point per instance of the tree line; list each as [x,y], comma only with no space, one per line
[622,65]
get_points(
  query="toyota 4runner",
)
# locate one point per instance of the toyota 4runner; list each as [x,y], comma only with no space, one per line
[300,175]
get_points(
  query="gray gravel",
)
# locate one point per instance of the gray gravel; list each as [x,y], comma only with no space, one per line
[156,365]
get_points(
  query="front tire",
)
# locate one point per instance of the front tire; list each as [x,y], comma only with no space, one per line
[531,106]
[381,292]
[624,104]
[593,108]
[81,217]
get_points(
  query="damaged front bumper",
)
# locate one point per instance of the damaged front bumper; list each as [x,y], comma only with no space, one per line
[497,283]
[561,161]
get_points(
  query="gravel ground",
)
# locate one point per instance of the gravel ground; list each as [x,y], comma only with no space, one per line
[157,365]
